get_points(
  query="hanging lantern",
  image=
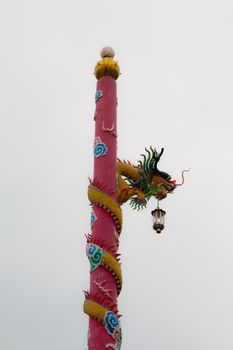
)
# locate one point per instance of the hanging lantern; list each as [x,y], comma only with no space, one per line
[158,219]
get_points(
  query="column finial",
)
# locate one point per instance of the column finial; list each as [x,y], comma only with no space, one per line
[107,66]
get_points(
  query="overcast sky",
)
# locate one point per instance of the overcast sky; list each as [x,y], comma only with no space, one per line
[175,92]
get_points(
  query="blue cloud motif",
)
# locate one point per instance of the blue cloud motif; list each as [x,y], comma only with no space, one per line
[111,322]
[93,218]
[95,255]
[98,95]
[100,149]
[91,249]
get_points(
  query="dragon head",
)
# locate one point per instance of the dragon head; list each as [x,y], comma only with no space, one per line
[153,182]
[162,186]
[149,182]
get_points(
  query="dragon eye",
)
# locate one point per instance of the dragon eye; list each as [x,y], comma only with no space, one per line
[165,176]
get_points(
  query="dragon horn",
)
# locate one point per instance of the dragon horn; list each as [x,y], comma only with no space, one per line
[156,157]
[182,174]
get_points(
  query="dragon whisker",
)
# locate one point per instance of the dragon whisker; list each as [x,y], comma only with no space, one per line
[182,175]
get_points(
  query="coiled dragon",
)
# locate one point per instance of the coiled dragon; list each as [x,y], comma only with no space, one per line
[136,184]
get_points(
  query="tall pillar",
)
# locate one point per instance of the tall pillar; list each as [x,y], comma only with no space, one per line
[102,243]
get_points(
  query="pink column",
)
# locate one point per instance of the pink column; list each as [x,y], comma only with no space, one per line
[105,173]
[103,225]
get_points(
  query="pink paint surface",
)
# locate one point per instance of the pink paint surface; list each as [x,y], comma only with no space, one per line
[105,170]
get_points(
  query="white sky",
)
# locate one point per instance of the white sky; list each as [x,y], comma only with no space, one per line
[175,91]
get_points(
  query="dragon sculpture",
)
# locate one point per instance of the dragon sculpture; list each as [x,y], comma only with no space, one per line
[139,183]
[136,184]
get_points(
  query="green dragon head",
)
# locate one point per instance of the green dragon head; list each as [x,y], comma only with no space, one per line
[152,182]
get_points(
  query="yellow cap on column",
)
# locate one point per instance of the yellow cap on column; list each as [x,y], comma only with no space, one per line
[107,66]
